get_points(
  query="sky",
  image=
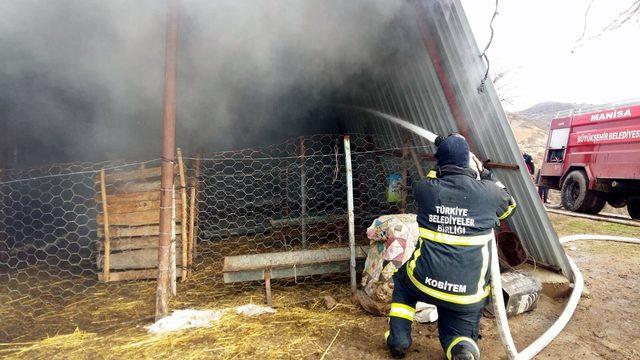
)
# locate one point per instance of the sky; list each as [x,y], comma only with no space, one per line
[536,42]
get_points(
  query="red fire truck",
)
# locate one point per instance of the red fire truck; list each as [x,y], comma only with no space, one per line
[593,157]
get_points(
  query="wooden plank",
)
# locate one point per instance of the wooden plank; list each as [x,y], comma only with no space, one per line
[139,196]
[135,259]
[149,217]
[143,242]
[130,275]
[105,218]
[183,212]
[134,187]
[123,207]
[132,231]
[139,174]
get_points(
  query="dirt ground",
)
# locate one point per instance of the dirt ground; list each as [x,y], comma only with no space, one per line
[605,325]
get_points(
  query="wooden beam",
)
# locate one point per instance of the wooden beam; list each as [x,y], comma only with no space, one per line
[124,207]
[416,162]
[134,187]
[139,196]
[183,213]
[267,286]
[130,275]
[149,217]
[134,259]
[430,157]
[107,235]
[138,174]
[132,231]
[143,242]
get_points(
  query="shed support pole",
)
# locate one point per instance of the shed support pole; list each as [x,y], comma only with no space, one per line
[168,153]
[107,236]
[352,240]
[172,249]
[183,217]
[405,173]
[196,215]
[303,195]
[416,162]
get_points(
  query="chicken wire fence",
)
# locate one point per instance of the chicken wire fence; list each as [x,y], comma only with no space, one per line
[281,198]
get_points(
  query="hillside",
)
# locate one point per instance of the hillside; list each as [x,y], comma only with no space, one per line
[530,137]
[542,113]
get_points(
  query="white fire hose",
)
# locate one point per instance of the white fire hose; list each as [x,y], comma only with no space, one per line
[496,284]
[578,286]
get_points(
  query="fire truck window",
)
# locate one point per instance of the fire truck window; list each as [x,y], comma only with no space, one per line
[556,156]
[559,138]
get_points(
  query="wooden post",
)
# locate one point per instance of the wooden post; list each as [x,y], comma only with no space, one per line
[405,169]
[286,192]
[107,234]
[168,153]
[303,195]
[172,248]
[194,236]
[183,221]
[192,222]
[352,241]
[267,286]
[416,163]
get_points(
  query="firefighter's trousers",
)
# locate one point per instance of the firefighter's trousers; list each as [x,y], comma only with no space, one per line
[458,325]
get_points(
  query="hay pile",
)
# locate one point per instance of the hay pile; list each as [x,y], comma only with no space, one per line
[107,321]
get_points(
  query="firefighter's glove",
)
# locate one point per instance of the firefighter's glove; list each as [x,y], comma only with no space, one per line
[438,140]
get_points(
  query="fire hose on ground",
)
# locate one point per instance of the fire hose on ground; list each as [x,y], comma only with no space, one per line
[578,286]
[496,284]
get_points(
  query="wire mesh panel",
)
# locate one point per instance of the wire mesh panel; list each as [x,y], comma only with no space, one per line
[279,210]
[292,197]
[50,250]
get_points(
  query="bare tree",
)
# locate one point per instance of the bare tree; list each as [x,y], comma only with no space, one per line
[503,86]
[632,12]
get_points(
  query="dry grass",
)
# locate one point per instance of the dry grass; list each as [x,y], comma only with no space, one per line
[107,321]
[300,328]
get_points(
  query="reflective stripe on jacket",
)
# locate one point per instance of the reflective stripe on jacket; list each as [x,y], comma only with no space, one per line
[456,215]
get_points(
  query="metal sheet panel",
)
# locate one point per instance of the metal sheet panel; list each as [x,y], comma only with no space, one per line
[441,94]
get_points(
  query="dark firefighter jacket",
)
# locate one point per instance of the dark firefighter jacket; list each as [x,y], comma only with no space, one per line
[456,215]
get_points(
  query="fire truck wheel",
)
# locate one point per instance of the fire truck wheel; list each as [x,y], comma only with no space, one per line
[577,197]
[633,207]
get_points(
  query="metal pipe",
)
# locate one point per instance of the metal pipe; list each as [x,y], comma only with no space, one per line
[352,240]
[168,153]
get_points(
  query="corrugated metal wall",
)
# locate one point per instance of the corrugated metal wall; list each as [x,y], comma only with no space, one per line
[438,89]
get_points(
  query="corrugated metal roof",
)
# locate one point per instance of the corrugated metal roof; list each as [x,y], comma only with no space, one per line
[438,90]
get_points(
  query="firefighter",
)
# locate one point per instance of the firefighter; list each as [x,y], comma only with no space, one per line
[458,207]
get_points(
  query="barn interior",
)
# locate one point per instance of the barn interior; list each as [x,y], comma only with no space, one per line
[255,93]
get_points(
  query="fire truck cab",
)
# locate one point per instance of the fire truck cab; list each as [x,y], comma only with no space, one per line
[593,157]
